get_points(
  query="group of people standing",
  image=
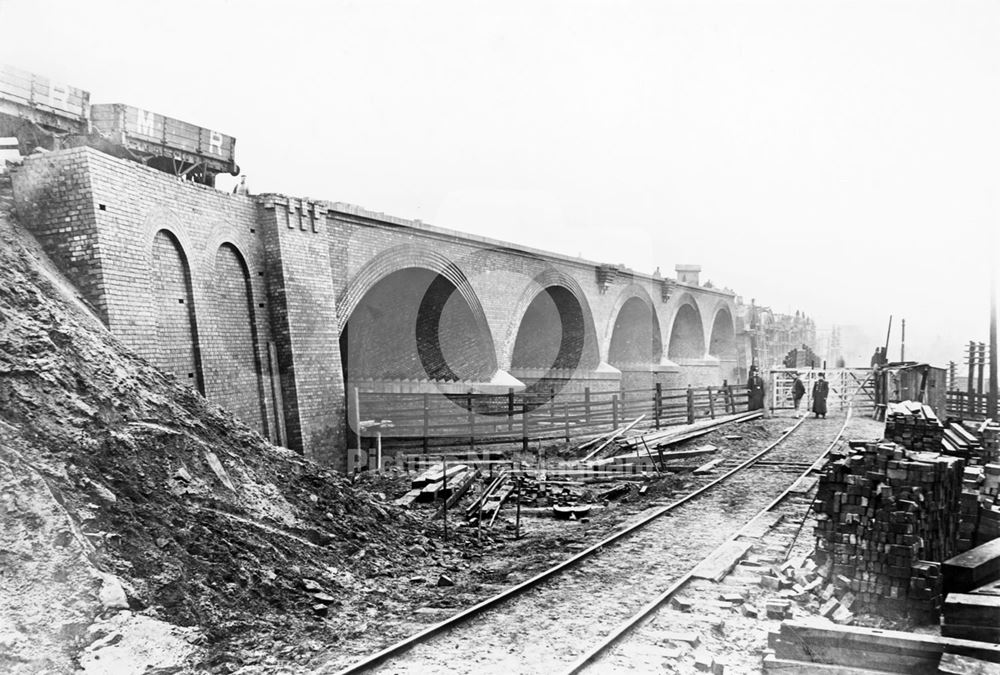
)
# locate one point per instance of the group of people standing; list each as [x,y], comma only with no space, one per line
[821,389]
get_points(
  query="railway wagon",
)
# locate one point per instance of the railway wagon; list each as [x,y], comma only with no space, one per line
[39,111]
[165,143]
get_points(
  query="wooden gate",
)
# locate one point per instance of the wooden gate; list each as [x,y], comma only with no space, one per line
[848,386]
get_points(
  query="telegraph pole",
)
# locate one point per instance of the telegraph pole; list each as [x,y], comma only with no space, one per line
[991,400]
[902,339]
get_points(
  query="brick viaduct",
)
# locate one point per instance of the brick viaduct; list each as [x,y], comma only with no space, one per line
[273,307]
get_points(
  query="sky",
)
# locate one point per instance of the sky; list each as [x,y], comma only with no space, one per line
[839,158]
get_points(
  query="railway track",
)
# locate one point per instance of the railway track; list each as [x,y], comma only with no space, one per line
[553,620]
[796,503]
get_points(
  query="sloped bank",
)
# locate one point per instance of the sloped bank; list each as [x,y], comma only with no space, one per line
[119,484]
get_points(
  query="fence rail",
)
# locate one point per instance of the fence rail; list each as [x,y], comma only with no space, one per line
[967,405]
[435,420]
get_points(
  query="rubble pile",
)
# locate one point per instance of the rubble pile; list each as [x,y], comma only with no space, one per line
[882,514]
[140,485]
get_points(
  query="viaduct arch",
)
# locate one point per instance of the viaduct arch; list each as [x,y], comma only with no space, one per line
[273,305]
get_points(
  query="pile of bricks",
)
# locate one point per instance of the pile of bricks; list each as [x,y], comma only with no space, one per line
[884,511]
[914,426]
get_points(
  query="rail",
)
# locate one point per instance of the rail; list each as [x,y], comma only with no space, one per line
[618,633]
[448,624]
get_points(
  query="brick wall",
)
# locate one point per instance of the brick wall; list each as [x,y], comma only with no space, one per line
[122,232]
[176,333]
[235,371]
[304,320]
[52,199]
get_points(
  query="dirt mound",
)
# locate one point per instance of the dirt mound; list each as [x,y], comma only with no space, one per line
[109,467]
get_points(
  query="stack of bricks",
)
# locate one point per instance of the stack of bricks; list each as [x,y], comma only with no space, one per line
[914,426]
[883,515]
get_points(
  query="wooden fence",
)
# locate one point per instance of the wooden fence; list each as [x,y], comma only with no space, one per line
[967,405]
[436,420]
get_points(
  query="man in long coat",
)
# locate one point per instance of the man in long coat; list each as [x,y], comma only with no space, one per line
[820,391]
[755,390]
[798,391]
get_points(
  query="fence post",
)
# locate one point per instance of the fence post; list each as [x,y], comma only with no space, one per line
[725,396]
[472,423]
[711,404]
[586,404]
[427,421]
[614,411]
[510,410]
[357,418]
[552,407]
[566,418]
[657,404]
[524,424]
[690,404]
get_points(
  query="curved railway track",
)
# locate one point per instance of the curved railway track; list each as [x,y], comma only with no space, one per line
[553,620]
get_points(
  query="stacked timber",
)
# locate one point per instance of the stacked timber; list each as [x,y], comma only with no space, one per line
[914,426]
[881,514]
[991,441]
[980,506]
[972,607]
[814,647]
[971,616]
[959,441]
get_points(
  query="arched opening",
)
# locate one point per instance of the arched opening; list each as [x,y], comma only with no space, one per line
[551,342]
[636,346]
[176,328]
[414,324]
[687,337]
[723,342]
[235,380]
[635,339]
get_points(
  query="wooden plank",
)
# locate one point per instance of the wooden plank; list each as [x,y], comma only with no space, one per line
[992,588]
[966,608]
[462,485]
[955,664]
[424,478]
[408,498]
[720,561]
[973,568]
[761,525]
[860,647]
[674,454]
[708,467]
[772,664]
[971,632]
[453,470]
[617,433]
